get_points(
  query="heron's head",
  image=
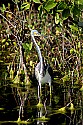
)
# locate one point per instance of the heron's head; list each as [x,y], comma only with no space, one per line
[35,33]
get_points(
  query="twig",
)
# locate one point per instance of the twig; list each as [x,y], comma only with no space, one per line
[8,21]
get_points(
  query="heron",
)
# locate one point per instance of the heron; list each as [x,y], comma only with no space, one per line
[42,69]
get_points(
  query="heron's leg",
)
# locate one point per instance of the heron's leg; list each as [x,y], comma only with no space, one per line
[50,92]
[40,89]
[38,92]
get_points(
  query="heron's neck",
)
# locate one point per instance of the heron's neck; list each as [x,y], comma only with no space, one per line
[39,54]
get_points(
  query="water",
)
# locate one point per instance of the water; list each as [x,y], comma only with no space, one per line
[57,113]
[20,104]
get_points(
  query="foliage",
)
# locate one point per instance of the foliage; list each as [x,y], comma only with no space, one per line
[59,21]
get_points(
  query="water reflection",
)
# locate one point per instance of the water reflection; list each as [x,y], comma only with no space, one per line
[35,112]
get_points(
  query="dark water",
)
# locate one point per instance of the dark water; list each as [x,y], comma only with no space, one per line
[9,111]
[10,104]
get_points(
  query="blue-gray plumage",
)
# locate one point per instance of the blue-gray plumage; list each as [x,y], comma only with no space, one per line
[42,69]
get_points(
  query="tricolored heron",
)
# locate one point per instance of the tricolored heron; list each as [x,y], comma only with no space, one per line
[42,69]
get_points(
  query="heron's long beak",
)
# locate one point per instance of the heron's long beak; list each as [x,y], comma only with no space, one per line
[39,34]
[42,35]
[45,37]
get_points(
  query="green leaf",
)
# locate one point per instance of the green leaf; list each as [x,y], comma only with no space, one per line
[3,40]
[1,61]
[16,1]
[27,46]
[65,78]
[57,19]
[79,45]
[76,10]
[31,63]
[16,79]
[66,13]
[36,1]
[50,5]
[62,5]
[73,27]
[72,51]
[25,6]
[30,46]
[39,8]
[3,8]
[81,7]
[81,89]
[0,26]
[44,0]
[79,2]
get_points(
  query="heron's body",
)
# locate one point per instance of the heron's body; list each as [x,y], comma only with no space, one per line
[42,70]
[46,78]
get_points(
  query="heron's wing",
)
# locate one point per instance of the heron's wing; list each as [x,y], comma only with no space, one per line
[50,71]
[38,66]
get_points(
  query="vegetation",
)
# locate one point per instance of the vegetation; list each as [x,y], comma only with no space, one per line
[61,22]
